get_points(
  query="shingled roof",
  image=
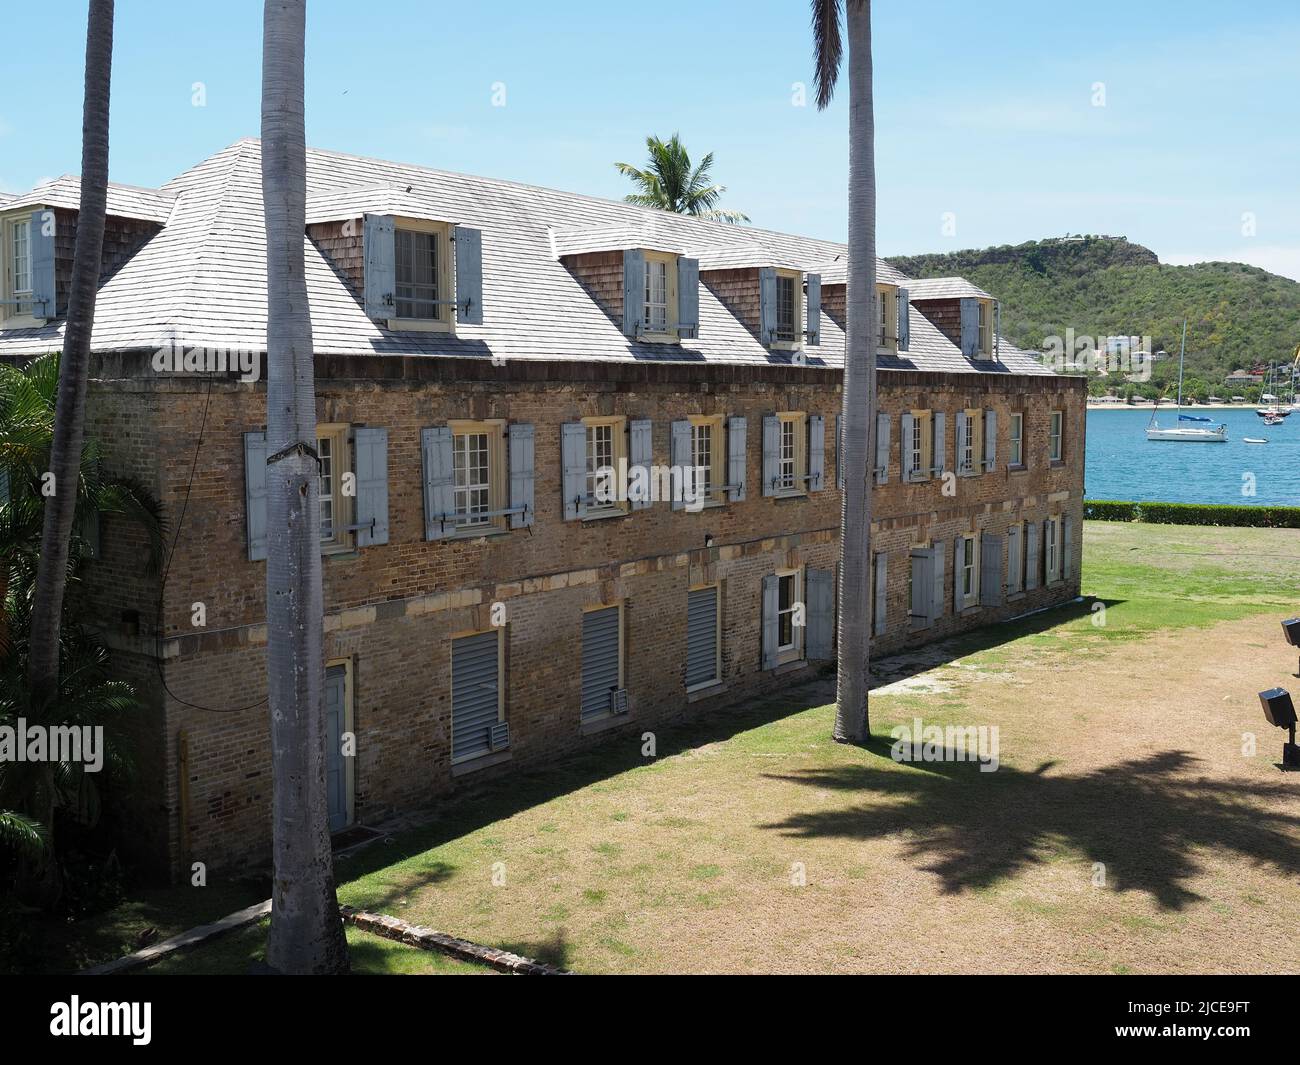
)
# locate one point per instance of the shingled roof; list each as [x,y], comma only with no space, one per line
[201,280]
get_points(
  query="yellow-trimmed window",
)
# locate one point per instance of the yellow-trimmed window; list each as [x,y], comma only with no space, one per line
[709,455]
[1055,440]
[336,493]
[789,307]
[606,453]
[659,308]
[16,256]
[887,302]
[986,327]
[971,459]
[791,453]
[790,608]
[479,487]
[423,274]
[918,452]
[968,571]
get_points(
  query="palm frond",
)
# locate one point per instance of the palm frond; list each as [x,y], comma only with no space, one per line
[828,49]
[23,834]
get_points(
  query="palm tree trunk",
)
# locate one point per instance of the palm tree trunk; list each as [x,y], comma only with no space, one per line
[851,724]
[306,931]
[74,368]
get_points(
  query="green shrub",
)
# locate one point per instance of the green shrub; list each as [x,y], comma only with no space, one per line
[1193,514]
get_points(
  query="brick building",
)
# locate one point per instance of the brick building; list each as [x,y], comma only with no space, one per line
[484,352]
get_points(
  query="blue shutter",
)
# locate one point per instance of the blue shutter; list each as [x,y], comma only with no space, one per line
[907,426]
[573,454]
[41,244]
[681,454]
[633,291]
[958,563]
[688,296]
[936,596]
[771,452]
[990,440]
[997,329]
[839,451]
[519,436]
[469,275]
[380,272]
[336,779]
[601,655]
[640,453]
[372,486]
[814,308]
[771,618]
[922,588]
[882,448]
[970,327]
[904,320]
[767,304]
[701,637]
[816,452]
[439,494]
[881,592]
[1015,563]
[990,570]
[475,693]
[1031,555]
[255,494]
[938,453]
[820,595]
[736,429]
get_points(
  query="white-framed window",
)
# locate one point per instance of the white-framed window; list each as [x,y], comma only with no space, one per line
[606,444]
[916,447]
[16,257]
[986,326]
[789,627]
[1055,449]
[708,455]
[786,307]
[1017,430]
[969,570]
[479,483]
[656,295]
[887,302]
[419,255]
[966,460]
[334,451]
[1051,549]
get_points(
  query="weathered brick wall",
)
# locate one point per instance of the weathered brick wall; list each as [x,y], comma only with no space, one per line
[737,290]
[392,610]
[342,245]
[601,274]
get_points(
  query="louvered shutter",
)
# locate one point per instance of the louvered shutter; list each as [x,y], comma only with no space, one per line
[1049,530]
[904,320]
[736,458]
[469,274]
[922,588]
[907,428]
[600,660]
[881,592]
[882,448]
[573,454]
[939,456]
[990,570]
[820,614]
[475,693]
[680,441]
[40,244]
[970,327]
[1031,556]
[814,330]
[767,304]
[771,618]
[688,297]
[936,596]
[958,575]
[633,291]
[816,452]
[640,453]
[771,452]
[372,486]
[701,637]
[990,440]
[439,491]
[380,266]
[255,494]
[519,436]
[1015,563]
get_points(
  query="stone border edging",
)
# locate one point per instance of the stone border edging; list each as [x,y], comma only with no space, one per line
[427,939]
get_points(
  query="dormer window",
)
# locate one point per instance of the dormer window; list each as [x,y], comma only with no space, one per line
[781,307]
[978,327]
[787,307]
[418,270]
[21,273]
[659,313]
[985,328]
[421,258]
[20,250]
[887,306]
[661,300]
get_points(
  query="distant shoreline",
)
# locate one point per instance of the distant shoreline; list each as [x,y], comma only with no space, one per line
[1148,405]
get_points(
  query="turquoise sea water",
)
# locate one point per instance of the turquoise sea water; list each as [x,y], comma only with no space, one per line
[1123,464]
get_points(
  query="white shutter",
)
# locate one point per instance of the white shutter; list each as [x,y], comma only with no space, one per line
[680,450]
[816,452]
[573,457]
[736,459]
[882,448]
[522,475]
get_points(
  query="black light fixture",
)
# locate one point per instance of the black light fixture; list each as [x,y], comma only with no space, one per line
[1279,711]
[1291,630]
[708,540]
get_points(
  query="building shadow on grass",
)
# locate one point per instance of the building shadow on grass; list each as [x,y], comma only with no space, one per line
[555,949]
[1143,819]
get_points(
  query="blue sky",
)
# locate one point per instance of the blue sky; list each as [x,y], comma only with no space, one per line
[983,110]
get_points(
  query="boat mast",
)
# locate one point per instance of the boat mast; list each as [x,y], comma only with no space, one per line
[1182,350]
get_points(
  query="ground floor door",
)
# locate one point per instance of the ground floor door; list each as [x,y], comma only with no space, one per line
[336,764]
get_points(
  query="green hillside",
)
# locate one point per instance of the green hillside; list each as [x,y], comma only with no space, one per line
[1237,316]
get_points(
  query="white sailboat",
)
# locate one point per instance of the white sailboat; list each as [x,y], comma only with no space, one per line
[1188,433]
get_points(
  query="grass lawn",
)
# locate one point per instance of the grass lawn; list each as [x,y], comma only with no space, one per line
[1129,828]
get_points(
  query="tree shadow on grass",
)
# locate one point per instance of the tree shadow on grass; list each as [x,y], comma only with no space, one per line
[555,949]
[1143,819]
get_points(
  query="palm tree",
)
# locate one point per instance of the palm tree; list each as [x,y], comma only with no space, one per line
[306,930]
[70,412]
[851,722]
[669,184]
